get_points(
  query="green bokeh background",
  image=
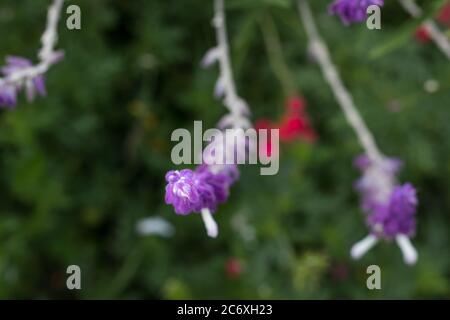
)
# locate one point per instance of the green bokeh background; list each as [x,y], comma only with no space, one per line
[80,167]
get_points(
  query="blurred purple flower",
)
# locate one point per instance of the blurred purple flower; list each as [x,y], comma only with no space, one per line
[191,191]
[390,207]
[181,191]
[352,10]
[8,91]
[377,181]
[398,217]
[8,95]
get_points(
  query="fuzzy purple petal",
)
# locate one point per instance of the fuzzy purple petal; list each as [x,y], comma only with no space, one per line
[398,217]
[39,85]
[351,11]
[191,191]
[8,96]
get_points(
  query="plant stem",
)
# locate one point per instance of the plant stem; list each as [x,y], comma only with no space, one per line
[47,55]
[436,35]
[232,100]
[275,54]
[333,78]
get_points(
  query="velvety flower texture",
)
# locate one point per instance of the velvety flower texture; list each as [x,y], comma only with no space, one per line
[8,92]
[376,183]
[398,216]
[191,191]
[352,10]
[390,207]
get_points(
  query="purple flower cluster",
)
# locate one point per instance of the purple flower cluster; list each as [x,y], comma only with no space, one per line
[191,191]
[390,207]
[376,183]
[352,10]
[9,90]
[398,216]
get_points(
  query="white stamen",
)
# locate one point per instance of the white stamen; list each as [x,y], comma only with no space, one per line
[409,252]
[360,248]
[210,224]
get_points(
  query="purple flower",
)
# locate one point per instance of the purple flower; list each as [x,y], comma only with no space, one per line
[398,216]
[219,183]
[233,146]
[8,95]
[377,181]
[181,191]
[191,191]
[390,207]
[8,91]
[352,10]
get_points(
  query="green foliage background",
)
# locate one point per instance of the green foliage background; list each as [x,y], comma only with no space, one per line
[80,167]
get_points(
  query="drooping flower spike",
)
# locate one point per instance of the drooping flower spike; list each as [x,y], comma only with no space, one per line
[390,207]
[352,11]
[203,189]
[20,74]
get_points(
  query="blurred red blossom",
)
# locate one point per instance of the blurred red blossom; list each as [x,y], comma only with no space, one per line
[444,15]
[294,124]
[233,268]
[339,271]
[422,35]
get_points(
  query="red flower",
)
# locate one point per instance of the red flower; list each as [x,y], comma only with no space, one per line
[295,122]
[233,268]
[339,271]
[293,125]
[295,104]
[422,35]
[444,15]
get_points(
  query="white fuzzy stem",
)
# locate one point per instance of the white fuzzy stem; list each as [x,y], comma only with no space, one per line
[50,36]
[333,78]
[232,101]
[409,252]
[47,52]
[210,224]
[360,248]
[412,8]
[436,35]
